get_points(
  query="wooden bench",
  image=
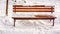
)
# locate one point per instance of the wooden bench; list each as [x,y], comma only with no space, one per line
[35,8]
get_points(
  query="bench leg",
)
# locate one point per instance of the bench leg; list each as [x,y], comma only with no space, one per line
[50,20]
[53,22]
[14,22]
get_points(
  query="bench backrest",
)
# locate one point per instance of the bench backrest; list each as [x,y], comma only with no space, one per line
[35,8]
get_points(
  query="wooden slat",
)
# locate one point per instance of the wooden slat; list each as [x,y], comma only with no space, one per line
[29,6]
[37,17]
[32,10]
[32,7]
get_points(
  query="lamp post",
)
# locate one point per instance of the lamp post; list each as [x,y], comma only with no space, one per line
[6,7]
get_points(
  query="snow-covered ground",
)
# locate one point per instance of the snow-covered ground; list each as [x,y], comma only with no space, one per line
[28,26]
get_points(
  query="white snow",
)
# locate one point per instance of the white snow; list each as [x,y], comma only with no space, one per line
[28,26]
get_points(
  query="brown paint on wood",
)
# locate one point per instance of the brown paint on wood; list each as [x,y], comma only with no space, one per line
[38,8]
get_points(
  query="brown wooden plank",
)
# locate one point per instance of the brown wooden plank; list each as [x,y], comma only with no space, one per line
[32,10]
[29,6]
